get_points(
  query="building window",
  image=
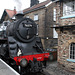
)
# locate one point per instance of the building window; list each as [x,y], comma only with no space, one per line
[55,34]
[35,17]
[72,51]
[69,7]
[54,14]
[27,16]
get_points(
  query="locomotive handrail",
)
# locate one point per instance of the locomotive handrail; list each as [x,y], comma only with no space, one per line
[38,47]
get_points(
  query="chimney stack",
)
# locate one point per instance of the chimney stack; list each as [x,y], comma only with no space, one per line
[34,2]
[14,10]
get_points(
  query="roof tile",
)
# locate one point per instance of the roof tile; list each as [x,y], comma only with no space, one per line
[11,13]
[36,6]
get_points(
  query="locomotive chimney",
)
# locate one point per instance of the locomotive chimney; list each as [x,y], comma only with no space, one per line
[19,16]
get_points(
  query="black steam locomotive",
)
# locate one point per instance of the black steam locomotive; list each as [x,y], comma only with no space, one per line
[20,47]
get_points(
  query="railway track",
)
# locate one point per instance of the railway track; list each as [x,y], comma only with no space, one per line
[39,73]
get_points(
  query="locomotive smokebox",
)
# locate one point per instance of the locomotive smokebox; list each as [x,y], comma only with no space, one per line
[24,29]
[19,15]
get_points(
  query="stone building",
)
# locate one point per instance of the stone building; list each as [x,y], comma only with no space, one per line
[44,14]
[66,33]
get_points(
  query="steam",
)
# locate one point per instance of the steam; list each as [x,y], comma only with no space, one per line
[19,4]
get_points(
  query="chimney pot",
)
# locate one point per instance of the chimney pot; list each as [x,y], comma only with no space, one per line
[14,10]
[34,2]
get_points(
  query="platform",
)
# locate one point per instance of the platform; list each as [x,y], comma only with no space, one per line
[5,69]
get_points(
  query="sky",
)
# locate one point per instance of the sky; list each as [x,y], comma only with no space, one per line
[10,4]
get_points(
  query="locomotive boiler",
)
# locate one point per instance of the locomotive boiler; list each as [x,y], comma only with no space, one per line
[20,47]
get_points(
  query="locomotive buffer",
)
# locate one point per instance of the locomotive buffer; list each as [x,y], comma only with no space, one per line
[5,69]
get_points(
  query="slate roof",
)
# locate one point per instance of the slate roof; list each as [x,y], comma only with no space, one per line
[36,6]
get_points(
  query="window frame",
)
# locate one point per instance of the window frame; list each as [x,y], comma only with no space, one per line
[67,8]
[55,32]
[36,16]
[27,16]
[54,14]
[37,30]
[72,52]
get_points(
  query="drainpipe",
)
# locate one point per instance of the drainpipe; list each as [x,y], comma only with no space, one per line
[45,27]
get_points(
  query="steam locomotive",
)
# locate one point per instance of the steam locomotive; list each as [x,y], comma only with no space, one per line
[20,47]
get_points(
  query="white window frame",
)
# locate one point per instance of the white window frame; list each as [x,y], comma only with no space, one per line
[27,16]
[67,8]
[54,14]
[71,51]
[55,34]
[35,17]
[37,30]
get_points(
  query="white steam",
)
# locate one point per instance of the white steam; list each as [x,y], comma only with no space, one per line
[19,4]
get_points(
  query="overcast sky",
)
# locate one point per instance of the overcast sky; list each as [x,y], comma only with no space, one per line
[10,4]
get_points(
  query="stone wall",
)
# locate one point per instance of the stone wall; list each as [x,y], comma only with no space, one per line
[50,42]
[68,21]
[64,42]
[65,38]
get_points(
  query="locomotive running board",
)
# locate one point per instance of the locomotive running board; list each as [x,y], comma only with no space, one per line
[16,73]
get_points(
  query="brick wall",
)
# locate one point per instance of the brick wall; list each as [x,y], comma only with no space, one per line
[7,18]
